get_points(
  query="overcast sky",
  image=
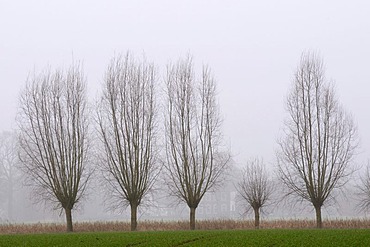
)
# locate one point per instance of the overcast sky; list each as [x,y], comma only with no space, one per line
[252,47]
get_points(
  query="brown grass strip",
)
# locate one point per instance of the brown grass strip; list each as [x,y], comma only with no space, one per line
[119,226]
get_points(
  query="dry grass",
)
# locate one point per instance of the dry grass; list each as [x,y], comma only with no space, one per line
[179,225]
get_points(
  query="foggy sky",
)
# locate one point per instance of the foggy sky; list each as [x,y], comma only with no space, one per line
[252,47]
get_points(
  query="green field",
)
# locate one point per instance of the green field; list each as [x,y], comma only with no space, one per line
[270,237]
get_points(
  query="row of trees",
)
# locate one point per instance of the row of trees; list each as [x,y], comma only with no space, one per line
[316,150]
[58,149]
[56,143]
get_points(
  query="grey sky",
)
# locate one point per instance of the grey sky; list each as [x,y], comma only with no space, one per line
[253,48]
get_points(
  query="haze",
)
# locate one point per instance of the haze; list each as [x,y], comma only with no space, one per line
[252,47]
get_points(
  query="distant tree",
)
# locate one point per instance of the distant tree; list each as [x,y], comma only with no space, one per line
[9,173]
[127,124]
[194,159]
[255,188]
[320,137]
[54,143]
[363,190]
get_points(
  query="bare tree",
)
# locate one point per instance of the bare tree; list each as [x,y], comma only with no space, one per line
[194,161]
[54,142]
[363,191]
[320,138]
[9,162]
[256,187]
[127,126]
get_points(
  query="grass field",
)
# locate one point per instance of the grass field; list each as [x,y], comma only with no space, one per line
[351,232]
[265,237]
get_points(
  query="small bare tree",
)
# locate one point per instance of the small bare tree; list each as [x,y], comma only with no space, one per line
[255,188]
[127,126]
[320,138]
[194,161]
[9,162]
[54,142]
[363,191]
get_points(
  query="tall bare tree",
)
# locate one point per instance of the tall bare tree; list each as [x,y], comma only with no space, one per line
[54,142]
[127,124]
[194,161]
[320,137]
[256,188]
[9,162]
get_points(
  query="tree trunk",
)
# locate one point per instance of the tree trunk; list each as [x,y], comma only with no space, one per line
[133,217]
[256,218]
[192,218]
[318,217]
[68,212]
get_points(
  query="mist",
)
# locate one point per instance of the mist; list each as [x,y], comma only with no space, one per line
[252,48]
